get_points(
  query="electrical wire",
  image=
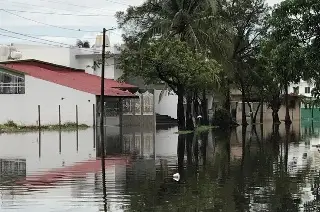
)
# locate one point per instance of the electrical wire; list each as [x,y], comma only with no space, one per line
[37,6]
[26,35]
[27,40]
[64,45]
[65,28]
[54,13]
[82,6]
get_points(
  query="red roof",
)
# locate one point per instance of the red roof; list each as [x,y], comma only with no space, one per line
[76,170]
[69,77]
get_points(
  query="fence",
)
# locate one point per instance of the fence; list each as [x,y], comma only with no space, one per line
[43,115]
[144,105]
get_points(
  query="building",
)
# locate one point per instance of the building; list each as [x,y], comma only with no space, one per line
[88,59]
[33,91]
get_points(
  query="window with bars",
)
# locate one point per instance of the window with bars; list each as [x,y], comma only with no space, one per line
[11,83]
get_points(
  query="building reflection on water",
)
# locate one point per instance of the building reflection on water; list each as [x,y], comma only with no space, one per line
[244,167]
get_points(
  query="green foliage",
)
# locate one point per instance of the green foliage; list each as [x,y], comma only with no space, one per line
[222,118]
[11,123]
[12,127]
[171,61]
[167,18]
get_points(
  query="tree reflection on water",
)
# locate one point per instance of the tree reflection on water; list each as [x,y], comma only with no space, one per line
[226,172]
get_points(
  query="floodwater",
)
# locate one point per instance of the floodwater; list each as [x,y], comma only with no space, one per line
[243,170]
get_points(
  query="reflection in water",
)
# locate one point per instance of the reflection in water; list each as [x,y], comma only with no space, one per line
[262,168]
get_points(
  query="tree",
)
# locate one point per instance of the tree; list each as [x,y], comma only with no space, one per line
[172,62]
[270,85]
[82,44]
[294,33]
[247,19]
[190,21]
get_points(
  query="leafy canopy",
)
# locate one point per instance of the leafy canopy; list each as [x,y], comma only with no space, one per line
[172,62]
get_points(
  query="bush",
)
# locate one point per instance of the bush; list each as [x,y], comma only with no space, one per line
[222,118]
[11,123]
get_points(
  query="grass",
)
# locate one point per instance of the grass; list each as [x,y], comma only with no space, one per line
[12,127]
[202,128]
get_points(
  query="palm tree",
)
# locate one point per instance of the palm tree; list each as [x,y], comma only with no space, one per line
[192,21]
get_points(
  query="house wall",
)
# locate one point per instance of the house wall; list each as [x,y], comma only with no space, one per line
[295,113]
[51,54]
[302,85]
[70,57]
[109,69]
[23,108]
[167,105]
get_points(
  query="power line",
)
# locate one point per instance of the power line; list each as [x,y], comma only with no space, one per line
[26,35]
[53,13]
[26,40]
[82,6]
[70,4]
[35,5]
[39,42]
[65,28]
[118,2]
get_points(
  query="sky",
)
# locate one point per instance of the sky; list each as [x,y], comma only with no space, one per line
[23,21]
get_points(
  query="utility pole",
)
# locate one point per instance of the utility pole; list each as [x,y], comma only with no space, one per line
[102,140]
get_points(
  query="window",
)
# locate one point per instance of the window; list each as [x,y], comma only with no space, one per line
[296,90]
[307,90]
[11,84]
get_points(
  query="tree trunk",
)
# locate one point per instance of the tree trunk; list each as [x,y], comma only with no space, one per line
[287,117]
[254,120]
[189,118]
[244,118]
[204,105]
[275,117]
[181,152]
[180,110]
[261,111]
[312,107]
[251,111]
[196,104]
[227,104]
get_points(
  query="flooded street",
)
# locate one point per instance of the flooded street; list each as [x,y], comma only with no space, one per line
[253,170]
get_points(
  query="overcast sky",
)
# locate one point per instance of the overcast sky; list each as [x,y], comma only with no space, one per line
[33,10]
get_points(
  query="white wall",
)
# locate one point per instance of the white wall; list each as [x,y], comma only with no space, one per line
[302,85]
[167,105]
[67,57]
[109,69]
[57,55]
[23,108]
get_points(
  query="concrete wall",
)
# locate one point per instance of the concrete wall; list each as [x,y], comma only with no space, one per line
[295,113]
[51,54]
[167,105]
[23,108]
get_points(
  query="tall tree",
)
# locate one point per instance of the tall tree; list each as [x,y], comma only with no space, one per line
[287,56]
[247,19]
[173,62]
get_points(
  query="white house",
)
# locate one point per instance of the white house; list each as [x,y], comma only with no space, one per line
[33,91]
[303,87]
[87,59]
